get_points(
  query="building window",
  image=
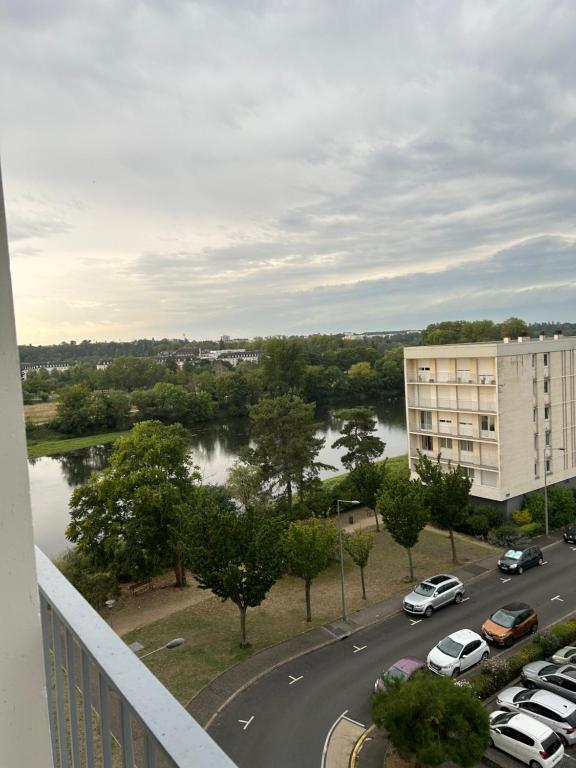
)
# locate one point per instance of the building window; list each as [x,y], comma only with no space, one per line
[425,420]
[468,471]
[548,465]
[533,361]
[535,470]
[446,421]
[536,441]
[546,412]
[445,442]
[547,438]
[546,383]
[467,445]
[426,443]
[545,359]
[488,423]
[534,414]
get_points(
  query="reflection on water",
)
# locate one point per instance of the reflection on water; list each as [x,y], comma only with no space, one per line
[214,449]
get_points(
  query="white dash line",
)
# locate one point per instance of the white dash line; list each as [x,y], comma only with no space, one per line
[415,621]
[345,717]
[557,598]
[505,580]
[464,599]
[246,722]
[294,679]
[359,648]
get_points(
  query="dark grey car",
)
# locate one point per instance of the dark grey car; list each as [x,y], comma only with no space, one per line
[560,679]
[433,593]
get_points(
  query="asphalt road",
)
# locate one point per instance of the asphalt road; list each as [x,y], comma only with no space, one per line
[283,719]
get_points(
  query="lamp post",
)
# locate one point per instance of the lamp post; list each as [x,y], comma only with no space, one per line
[546,486]
[169,646]
[338,502]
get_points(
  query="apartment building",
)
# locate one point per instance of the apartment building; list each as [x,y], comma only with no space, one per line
[504,411]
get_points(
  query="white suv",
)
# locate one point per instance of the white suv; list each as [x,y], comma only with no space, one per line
[525,739]
[457,653]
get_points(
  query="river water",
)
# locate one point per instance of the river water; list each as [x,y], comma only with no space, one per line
[214,450]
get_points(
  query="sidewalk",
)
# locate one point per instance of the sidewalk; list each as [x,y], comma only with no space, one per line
[208,702]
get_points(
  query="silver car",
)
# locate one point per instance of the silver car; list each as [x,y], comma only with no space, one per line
[433,593]
[560,679]
[557,713]
[566,655]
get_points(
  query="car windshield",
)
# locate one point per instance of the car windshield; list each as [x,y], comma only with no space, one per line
[502,718]
[394,674]
[450,647]
[523,696]
[503,618]
[513,554]
[424,589]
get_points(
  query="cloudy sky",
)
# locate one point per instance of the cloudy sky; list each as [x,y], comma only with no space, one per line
[253,167]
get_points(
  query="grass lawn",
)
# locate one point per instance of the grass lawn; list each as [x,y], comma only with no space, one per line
[211,628]
[55,445]
[39,413]
[394,464]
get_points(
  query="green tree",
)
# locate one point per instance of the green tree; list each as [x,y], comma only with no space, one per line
[109,410]
[431,720]
[93,583]
[237,556]
[361,380]
[135,516]
[284,365]
[286,450]
[309,548]
[389,372]
[357,437]
[73,410]
[401,504]
[246,484]
[130,373]
[359,545]
[233,394]
[514,327]
[446,494]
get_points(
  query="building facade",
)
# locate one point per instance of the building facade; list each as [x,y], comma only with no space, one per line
[504,411]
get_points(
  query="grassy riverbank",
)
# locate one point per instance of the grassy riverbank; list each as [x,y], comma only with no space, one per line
[54,444]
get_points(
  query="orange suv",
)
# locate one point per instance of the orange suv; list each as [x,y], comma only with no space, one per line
[509,623]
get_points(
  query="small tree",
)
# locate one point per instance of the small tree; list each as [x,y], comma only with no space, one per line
[357,437]
[447,495]
[401,504]
[309,548]
[433,720]
[237,556]
[245,483]
[359,545]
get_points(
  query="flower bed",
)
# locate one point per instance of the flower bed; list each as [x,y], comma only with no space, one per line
[496,673]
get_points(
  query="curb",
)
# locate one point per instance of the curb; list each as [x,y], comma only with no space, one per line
[330,641]
[358,746]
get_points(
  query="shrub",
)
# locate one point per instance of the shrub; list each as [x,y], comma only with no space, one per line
[94,585]
[564,633]
[497,670]
[521,517]
[532,529]
[505,535]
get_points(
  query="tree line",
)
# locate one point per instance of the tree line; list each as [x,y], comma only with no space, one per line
[148,510]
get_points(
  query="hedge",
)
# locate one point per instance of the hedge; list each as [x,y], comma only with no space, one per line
[495,673]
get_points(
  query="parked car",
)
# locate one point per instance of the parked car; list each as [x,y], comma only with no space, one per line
[457,652]
[560,679]
[517,560]
[525,738]
[403,669]
[570,534]
[433,593]
[557,713]
[566,655]
[509,623]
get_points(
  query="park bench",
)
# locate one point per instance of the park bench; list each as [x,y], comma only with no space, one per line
[141,586]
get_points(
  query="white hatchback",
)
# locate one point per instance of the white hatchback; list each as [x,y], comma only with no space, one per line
[525,739]
[457,653]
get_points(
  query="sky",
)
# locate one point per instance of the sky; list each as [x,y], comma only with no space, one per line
[256,167]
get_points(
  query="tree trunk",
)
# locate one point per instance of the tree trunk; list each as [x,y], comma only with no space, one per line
[289,494]
[410,565]
[363,584]
[180,574]
[243,642]
[453,544]
[377,521]
[308,582]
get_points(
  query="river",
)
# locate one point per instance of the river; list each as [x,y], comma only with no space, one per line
[214,450]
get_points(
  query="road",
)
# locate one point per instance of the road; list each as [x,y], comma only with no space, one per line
[283,719]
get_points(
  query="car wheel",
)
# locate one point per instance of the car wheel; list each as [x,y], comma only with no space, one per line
[490,742]
[509,642]
[534,764]
[563,739]
[533,629]
[529,684]
[484,656]
[429,611]
[540,561]
[458,598]
[520,571]
[455,672]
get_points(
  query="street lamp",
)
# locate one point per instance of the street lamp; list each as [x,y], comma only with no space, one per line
[546,486]
[338,502]
[169,646]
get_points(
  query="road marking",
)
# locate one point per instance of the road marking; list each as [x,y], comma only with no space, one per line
[359,648]
[246,722]
[345,717]
[464,599]
[415,621]
[327,739]
[573,549]
[505,580]
[294,679]
[545,562]
[557,598]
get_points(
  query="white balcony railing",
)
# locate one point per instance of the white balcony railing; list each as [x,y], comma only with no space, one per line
[106,708]
[450,378]
[451,405]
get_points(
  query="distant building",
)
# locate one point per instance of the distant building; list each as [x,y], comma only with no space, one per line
[232,356]
[26,368]
[504,411]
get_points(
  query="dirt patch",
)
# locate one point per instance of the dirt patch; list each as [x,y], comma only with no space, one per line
[393,760]
[40,413]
